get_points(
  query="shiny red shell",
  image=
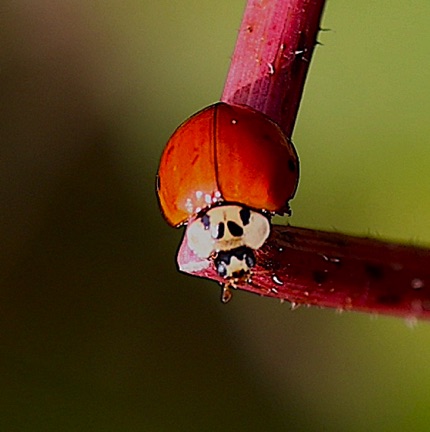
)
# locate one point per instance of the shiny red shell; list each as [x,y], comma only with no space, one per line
[226,153]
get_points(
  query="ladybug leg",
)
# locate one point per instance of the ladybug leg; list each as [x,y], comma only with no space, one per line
[226,294]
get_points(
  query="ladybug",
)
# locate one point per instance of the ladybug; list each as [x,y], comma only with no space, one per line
[223,172]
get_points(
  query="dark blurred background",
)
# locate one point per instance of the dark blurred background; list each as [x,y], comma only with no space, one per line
[98,331]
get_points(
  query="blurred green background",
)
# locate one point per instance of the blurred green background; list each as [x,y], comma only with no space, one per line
[98,331]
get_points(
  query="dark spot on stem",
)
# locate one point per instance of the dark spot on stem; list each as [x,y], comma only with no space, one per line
[425,305]
[319,276]
[374,271]
[389,299]
[287,237]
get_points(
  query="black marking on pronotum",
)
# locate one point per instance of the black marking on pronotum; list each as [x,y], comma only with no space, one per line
[374,271]
[220,231]
[235,229]
[245,215]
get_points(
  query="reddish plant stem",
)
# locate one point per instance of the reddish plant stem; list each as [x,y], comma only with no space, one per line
[325,269]
[272,56]
[303,266]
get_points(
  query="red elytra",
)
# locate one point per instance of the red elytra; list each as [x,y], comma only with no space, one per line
[226,153]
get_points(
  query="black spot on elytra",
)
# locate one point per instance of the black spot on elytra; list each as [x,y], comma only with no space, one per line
[374,271]
[245,215]
[389,299]
[291,165]
[319,276]
[195,159]
[235,229]
[267,137]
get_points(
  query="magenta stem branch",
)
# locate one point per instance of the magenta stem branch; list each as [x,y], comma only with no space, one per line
[303,266]
[327,269]
[272,56]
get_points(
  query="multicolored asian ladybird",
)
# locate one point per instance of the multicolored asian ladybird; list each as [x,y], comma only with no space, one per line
[223,172]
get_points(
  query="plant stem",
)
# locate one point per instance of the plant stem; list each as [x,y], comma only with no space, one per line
[303,266]
[272,56]
[326,269]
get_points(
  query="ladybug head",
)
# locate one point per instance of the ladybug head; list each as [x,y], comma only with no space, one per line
[229,234]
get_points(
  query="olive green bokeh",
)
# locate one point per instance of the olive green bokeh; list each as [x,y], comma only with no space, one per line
[98,331]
